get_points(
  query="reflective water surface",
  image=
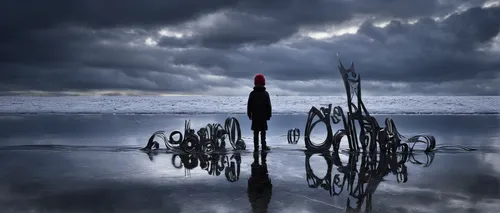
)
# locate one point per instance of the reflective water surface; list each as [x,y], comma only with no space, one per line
[93,164]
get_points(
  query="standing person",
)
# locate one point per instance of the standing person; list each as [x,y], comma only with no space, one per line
[259,111]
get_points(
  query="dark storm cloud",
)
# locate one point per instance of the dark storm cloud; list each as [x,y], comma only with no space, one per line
[427,51]
[433,51]
[92,45]
[233,29]
[88,60]
[33,14]
[266,22]
[410,8]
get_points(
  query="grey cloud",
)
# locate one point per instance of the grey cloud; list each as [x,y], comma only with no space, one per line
[85,79]
[235,29]
[89,60]
[412,9]
[103,14]
[125,13]
[263,23]
[437,51]
[427,51]
[103,49]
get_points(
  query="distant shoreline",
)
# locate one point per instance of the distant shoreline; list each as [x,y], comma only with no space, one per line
[192,105]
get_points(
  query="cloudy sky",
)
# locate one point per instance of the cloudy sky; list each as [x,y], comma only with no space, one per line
[215,47]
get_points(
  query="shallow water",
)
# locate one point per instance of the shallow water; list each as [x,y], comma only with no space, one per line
[91,163]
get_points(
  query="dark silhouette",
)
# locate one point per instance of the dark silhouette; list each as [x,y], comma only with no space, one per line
[259,110]
[360,176]
[259,184]
[207,139]
[214,164]
[369,135]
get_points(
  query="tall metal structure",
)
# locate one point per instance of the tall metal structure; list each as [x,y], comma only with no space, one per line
[362,130]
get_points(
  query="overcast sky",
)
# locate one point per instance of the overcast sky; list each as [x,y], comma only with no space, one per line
[215,47]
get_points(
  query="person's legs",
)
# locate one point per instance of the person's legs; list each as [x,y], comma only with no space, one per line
[256,140]
[263,140]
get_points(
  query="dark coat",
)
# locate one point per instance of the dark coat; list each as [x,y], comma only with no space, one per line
[259,108]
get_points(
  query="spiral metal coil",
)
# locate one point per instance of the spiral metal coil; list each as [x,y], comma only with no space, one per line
[293,136]
[206,139]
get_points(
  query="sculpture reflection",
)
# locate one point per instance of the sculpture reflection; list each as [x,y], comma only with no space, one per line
[259,184]
[214,164]
[360,175]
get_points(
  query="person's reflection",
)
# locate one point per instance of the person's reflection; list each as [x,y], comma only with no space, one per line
[259,184]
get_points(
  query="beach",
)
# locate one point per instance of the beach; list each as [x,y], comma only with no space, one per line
[92,163]
[151,107]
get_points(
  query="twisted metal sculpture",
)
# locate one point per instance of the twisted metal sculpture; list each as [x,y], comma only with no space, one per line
[360,182]
[323,115]
[214,164]
[293,136]
[371,136]
[206,140]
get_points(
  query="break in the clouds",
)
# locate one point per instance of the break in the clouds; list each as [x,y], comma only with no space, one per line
[427,47]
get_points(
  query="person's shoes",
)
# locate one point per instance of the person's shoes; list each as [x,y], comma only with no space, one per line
[266,148]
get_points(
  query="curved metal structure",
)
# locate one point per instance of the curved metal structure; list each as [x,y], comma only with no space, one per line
[206,140]
[293,136]
[362,130]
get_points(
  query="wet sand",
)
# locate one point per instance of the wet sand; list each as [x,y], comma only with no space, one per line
[91,163]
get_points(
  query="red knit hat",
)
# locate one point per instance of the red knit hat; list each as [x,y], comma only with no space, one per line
[259,80]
